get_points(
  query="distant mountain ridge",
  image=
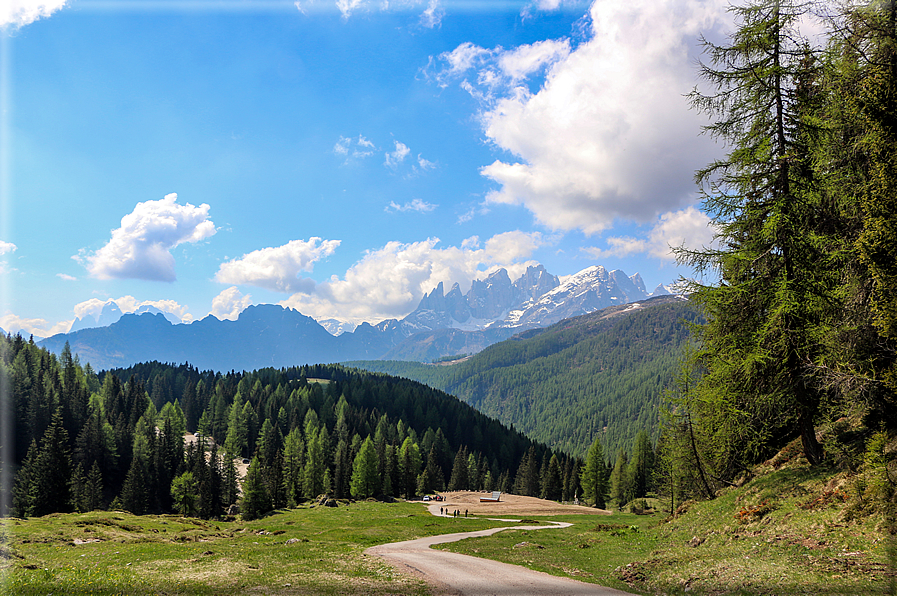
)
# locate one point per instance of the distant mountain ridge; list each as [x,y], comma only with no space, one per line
[443,324]
[536,299]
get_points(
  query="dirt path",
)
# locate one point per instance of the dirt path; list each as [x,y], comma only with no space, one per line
[508,505]
[463,575]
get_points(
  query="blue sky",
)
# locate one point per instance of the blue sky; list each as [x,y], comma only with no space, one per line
[339,157]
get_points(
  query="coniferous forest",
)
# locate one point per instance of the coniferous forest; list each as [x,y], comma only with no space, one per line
[84,440]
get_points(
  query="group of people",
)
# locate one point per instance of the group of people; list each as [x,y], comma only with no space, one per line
[455,513]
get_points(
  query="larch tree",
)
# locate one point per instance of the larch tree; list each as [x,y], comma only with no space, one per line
[766,316]
[365,478]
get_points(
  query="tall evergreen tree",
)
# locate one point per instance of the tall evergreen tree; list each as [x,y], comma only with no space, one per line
[459,479]
[552,487]
[594,476]
[49,485]
[365,478]
[256,501]
[765,317]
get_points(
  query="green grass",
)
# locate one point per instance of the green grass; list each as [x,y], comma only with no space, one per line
[174,555]
[590,550]
[786,532]
[796,530]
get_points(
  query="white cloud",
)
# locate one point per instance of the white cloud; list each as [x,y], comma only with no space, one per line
[609,134]
[459,61]
[19,13]
[689,228]
[229,304]
[521,62]
[277,268]
[354,148]
[347,7]
[6,247]
[415,205]
[394,158]
[424,164]
[140,248]
[169,306]
[66,277]
[432,16]
[389,282]
[37,327]
[128,304]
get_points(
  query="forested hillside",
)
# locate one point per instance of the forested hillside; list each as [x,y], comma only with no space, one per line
[598,375]
[83,440]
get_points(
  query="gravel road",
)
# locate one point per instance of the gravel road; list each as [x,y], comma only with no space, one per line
[463,575]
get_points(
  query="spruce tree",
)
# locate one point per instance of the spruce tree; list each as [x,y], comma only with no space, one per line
[552,487]
[49,483]
[459,480]
[256,501]
[594,476]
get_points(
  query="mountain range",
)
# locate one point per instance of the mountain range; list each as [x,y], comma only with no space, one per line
[443,324]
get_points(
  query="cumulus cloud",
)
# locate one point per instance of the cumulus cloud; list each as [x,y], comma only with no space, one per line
[141,247]
[7,247]
[18,13]
[66,277]
[38,327]
[415,205]
[688,228]
[277,268]
[229,304]
[608,134]
[389,282]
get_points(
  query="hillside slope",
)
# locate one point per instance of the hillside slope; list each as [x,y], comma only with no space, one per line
[599,373]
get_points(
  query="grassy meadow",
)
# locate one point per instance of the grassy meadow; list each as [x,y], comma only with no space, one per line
[790,531]
[309,550]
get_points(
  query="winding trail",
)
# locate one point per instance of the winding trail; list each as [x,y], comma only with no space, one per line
[463,575]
